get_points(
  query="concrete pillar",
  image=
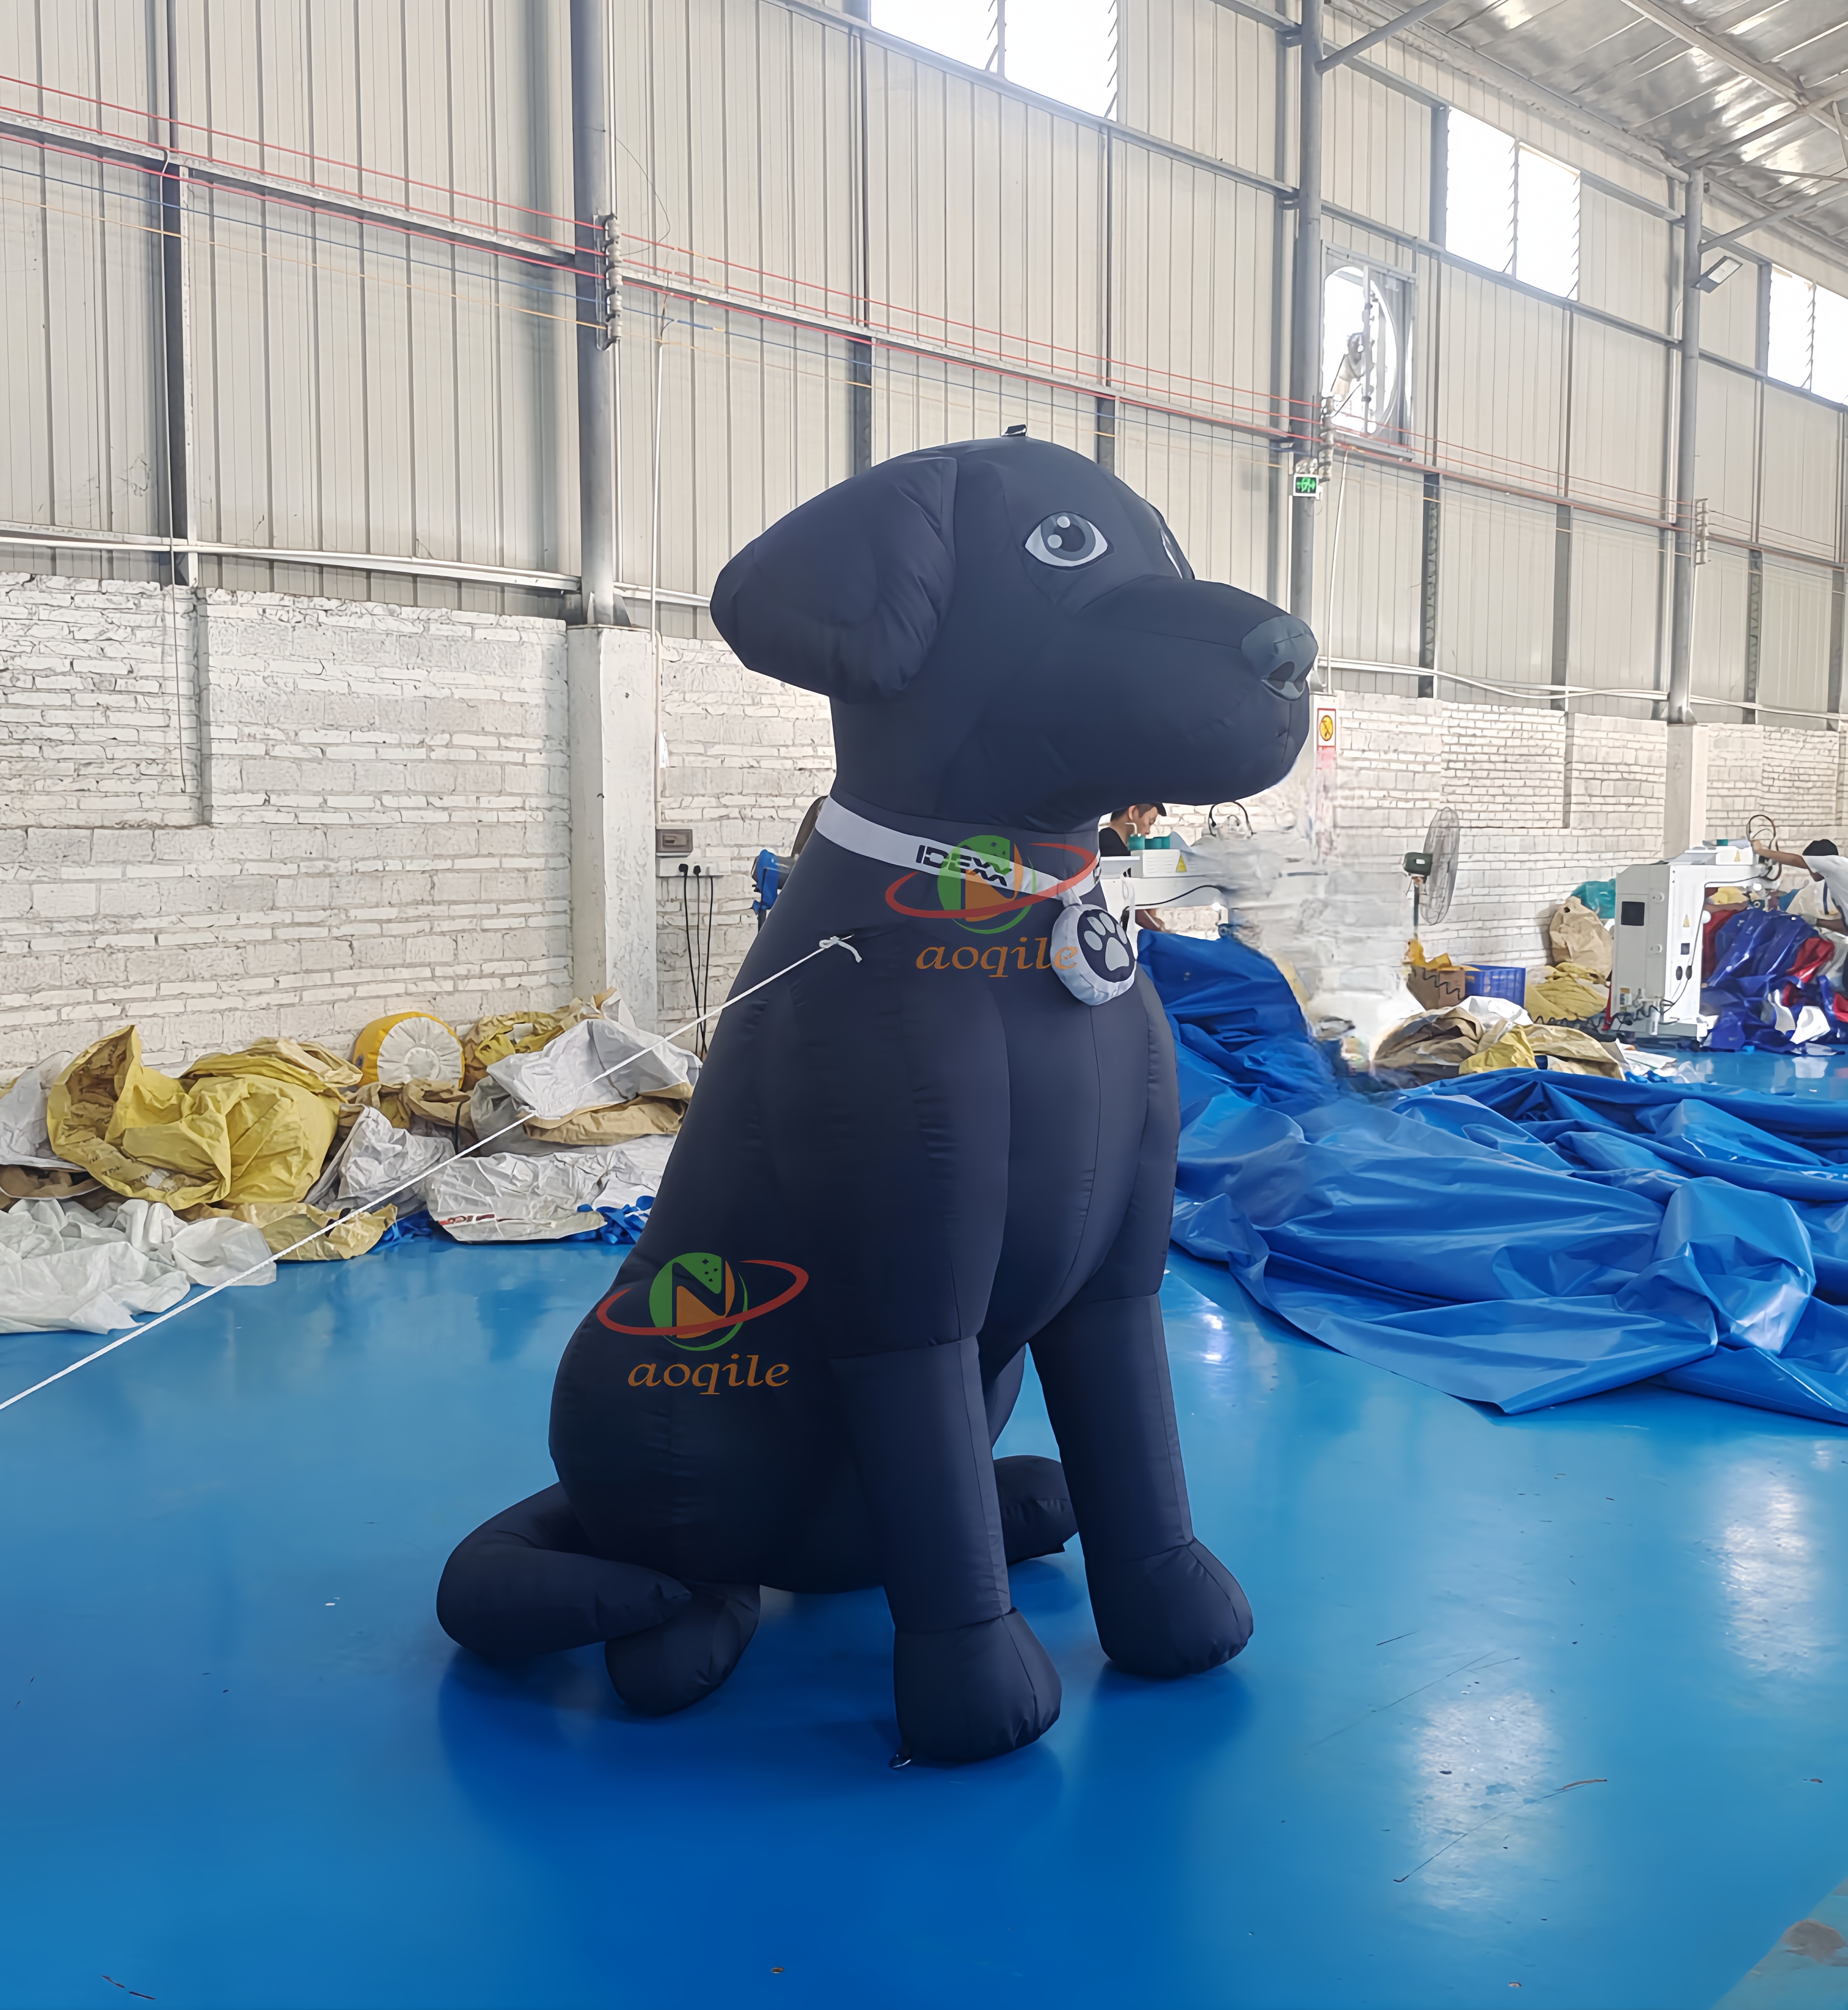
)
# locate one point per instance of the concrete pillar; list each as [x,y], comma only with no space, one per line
[1684,805]
[611,675]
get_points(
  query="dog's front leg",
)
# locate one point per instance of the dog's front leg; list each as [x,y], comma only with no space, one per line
[970,1679]
[1164,1603]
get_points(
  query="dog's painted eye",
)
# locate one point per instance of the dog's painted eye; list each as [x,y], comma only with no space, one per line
[1066,540]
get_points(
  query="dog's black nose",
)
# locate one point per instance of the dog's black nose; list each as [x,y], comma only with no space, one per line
[1281,651]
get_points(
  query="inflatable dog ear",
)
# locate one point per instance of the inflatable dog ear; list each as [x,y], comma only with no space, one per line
[844,596]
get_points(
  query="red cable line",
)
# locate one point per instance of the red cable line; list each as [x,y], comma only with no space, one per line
[271,146]
[159,173]
[1453,456]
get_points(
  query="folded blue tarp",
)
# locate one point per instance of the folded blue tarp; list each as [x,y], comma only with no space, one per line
[1517,1238]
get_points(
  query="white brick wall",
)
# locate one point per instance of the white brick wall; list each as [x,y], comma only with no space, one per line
[1546,799]
[389,818]
[745,758]
[389,811]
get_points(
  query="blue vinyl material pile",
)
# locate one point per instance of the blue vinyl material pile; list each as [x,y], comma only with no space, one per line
[1516,1238]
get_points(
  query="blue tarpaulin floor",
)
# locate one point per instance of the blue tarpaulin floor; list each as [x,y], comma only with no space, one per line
[1544,1709]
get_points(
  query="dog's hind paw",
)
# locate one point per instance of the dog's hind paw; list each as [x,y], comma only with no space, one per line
[1036,1509]
[689,1654]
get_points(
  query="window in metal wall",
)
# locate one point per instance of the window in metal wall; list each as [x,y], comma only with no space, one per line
[1510,207]
[1366,344]
[1064,49]
[1809,336]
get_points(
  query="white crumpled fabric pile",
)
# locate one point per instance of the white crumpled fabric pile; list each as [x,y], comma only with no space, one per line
[591,1066]
[65,1267]
[1338,931]
[374,1164]
[526,1196]
[24,1140]
[527,1188]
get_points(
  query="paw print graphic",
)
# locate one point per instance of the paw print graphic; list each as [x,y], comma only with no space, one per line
[1106,949]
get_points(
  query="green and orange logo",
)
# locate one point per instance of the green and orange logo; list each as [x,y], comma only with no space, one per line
[983,885]
[700,1301]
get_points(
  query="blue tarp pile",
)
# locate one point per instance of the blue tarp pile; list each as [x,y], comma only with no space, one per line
[1768,977]
[1517,1238]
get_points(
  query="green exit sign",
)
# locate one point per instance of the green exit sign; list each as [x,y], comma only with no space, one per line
[1308,485]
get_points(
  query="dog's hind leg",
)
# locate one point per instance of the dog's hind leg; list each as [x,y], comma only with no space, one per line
[1036,1507]
[526,1583]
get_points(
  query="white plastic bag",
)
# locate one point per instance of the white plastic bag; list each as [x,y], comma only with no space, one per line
[640,1164]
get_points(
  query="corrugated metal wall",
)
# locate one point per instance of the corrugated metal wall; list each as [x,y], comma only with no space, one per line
[833,241]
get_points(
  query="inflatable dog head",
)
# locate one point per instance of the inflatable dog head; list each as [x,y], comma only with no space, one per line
[1007,631]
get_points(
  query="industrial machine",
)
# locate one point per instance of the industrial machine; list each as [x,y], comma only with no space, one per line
[1656,944]
[1155,876]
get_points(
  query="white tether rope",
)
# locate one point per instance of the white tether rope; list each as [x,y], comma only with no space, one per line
[187,1303]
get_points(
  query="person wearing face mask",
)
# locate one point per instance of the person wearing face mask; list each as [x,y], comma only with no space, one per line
[1113,842]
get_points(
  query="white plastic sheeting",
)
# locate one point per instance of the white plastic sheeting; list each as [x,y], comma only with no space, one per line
[373,1162]
[1339,931]
[66,1269]
[517,1197]
[598,1061]
[23,1138]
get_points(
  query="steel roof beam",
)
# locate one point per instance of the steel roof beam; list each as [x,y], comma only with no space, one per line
[1801,208]
[1409,18]
[1819,100]
[1724,49]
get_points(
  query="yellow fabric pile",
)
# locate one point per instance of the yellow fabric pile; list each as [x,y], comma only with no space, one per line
[430,1106]
[1568,991]
[1433,1045]
[251,1126]
[1570,1052]
[285,1223]
[503,1033]
[492,1039]
[654,1115]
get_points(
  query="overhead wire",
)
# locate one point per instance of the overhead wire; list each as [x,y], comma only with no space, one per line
[1384,456]
[1460,461]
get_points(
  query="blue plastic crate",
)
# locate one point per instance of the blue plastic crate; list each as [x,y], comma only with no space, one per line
[1498,980]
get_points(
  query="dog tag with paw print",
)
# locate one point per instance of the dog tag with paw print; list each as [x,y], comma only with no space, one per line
[1092,954]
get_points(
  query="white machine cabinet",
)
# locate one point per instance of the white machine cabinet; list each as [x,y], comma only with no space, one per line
[1656,944]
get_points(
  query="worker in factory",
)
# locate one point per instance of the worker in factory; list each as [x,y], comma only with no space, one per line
[1824,896]
[1113,842]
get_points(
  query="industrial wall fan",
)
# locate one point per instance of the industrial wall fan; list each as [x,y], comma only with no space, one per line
[1433,870]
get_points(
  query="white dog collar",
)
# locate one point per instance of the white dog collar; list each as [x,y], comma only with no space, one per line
[1090,952]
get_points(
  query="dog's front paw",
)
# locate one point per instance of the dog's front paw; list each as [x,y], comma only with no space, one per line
[975,1692]
[1175,1613]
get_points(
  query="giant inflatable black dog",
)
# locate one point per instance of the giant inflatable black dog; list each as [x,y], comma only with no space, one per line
[948,1137]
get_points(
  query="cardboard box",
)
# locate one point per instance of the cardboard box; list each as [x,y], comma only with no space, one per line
[1436,989]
